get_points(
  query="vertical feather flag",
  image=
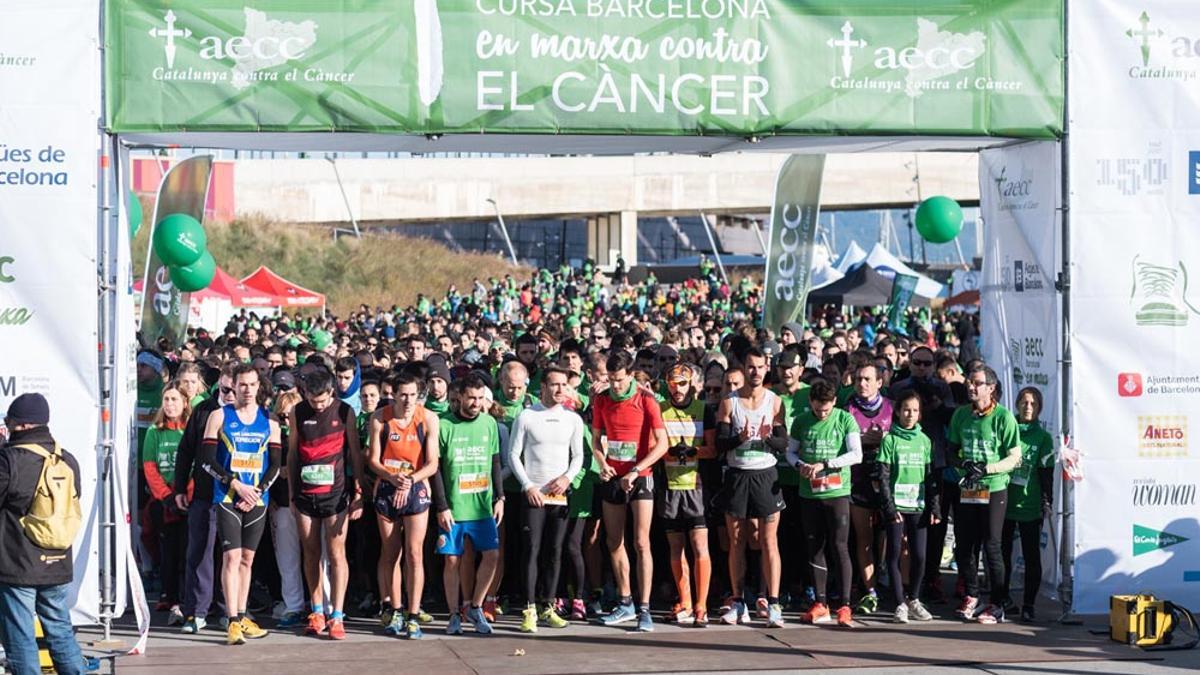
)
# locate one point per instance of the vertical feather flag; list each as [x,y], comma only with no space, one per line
[429,51]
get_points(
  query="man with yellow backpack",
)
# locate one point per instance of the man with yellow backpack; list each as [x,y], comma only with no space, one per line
[39,518]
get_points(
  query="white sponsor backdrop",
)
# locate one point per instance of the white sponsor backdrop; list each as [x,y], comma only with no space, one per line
[1135,196]
[1020,197]
[49,159]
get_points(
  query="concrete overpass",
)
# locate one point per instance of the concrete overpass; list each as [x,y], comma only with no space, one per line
[611,192]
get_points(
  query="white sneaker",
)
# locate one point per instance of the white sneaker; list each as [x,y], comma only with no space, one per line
[901,615]
[918,612]
[737,613]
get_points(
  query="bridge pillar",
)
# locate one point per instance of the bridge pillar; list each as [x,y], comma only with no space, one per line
[610,235]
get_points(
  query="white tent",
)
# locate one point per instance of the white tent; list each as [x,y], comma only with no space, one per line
[853,255]
[889,265]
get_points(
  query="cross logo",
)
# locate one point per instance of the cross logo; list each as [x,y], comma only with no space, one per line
[170,33]
[845,44]
[1145,34]
[1000,180]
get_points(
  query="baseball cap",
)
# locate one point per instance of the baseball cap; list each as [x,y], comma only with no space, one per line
[283,379]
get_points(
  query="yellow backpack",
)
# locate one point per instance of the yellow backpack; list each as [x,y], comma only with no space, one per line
[54,516]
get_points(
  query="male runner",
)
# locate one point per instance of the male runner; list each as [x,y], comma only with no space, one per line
[690,431]
[467,501]
[324,435]
[630,438]
[545,452]
[404,455]
[750,430]
[241,451]
[873,413]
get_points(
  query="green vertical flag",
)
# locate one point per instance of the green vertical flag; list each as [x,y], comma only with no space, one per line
[903,288]
[794,212]
[164,307]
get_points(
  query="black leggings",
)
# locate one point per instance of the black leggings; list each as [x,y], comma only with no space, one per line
[824,519]
[1031,550]
[547,525]
[576,527]
[980,526]
[914,527]
[172,543]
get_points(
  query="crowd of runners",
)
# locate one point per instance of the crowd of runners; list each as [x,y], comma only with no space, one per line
[577,448]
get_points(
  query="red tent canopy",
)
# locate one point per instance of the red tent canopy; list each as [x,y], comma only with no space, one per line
[286,293]
[228,287]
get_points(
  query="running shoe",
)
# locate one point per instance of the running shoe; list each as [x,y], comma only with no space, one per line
[775,616]
[490,609]
[737,613]
[1027,614]
[412,630]
[680,614]
[918,612]
[193,625]
[818,613]
[386,614]
[867,604]
[423,616]
[174,616]
[234,635]
[761,607]
[991,614]
[966,611]
[595,607]
[901,615]
[701,618]
[529,620]
[337,629]
[552,619]
[482,626]
[396,625]
[645,624]
[620,614]
[252,630]
[316,624]
[845,618]
[454,625]
[578,610]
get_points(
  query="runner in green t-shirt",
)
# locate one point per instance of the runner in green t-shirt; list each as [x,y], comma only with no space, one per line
[793,393]
[908,489]
[985,444]
[465,497]
[825,443]
[158,466]
[1030,497]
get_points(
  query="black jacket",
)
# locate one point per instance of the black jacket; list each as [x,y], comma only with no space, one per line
[187,463]
[23,563]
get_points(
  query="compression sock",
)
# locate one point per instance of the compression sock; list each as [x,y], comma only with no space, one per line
[679,569]
[703,579]
[338,615]
[318,609]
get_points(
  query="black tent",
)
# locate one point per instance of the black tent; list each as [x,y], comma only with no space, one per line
[863,287]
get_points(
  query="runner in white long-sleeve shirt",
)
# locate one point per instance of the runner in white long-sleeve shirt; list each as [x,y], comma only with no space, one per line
[545,451]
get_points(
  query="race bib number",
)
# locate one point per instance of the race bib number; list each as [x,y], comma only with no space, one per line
[751,449]
[473,483]
[622,451]
[907,495]
[825,483]
[980,496]
[246,462]
[398,467]
[317,474]
[554,500]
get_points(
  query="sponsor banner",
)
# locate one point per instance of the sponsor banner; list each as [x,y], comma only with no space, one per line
[1020,194]
[49,163]
[793,232]
[903,287]
[1135,308]
[663,67]
[165,307]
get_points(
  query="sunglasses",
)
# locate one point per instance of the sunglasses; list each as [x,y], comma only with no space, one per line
[921,362]
[225,391]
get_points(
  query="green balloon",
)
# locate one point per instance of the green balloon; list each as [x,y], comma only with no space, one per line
[939,219]
[135,214]
[179,240]
[194,277]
